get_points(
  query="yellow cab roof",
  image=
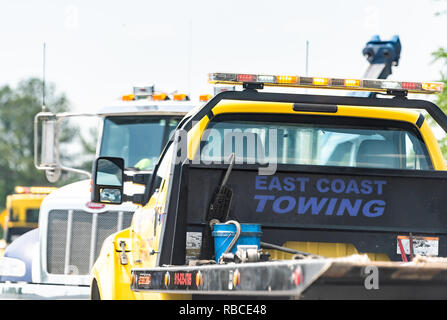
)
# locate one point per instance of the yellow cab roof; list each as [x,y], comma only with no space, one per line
[237,106]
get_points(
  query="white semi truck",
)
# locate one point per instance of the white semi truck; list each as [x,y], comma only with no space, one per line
[54,260]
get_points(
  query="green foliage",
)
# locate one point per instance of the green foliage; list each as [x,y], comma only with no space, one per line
[89,147]
[441,99]
[18,106]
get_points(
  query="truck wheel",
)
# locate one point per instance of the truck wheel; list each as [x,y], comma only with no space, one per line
[94,294]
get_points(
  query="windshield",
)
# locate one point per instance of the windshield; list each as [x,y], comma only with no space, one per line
[137,139]
[326,141]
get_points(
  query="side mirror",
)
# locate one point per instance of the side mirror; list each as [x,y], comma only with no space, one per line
[46,145]
[46,124]
[108,180]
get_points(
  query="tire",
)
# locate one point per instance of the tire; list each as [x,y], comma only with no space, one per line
[94,293]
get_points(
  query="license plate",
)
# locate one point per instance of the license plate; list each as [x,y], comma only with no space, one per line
[424,246]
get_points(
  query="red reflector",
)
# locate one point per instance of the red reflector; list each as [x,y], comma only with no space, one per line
[298,276]
[92,205]
[246,77]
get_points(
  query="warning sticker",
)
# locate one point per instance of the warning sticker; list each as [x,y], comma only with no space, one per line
[193,244]
[424,246]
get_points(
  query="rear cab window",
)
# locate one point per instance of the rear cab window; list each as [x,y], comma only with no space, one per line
[315,140]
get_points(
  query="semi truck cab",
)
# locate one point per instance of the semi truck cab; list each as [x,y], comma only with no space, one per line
[71,227]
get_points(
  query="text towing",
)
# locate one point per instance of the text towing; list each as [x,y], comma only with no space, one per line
[266,194]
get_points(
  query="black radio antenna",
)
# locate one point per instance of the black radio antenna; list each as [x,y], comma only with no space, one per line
[43,80]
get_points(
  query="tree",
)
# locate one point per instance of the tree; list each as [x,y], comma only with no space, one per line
[88,145]
[441,99]
[17,110]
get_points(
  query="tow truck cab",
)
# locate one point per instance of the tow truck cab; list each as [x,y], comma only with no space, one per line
[326,176]
[22,211]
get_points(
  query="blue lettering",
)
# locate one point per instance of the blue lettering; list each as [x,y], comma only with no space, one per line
[262,201]
[290,205]
[366,187]
[320,188]
[275,184]
[302,182]
[346,205]
[331,206]
[260,183]
[289,184]
[377,210]
[352,187]
[338,185]
[379,185]
[312,203]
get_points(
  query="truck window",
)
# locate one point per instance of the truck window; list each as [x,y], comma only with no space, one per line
[139,140]
[163,169]
[328,141]
[32,215]
[13,215]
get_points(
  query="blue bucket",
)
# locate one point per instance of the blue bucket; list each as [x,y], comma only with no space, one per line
[224,233]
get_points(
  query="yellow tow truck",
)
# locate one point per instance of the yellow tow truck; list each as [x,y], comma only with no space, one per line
[22,211]
[272,194]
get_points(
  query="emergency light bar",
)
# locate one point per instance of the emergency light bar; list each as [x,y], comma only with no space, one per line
[326,83]
[34,190]
[159,96]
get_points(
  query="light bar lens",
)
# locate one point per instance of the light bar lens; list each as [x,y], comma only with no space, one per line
[320,81]
[270,79]
[352,83]
[34,190]
[159,96]
[433,86]
[286,79]
[205,97]
[410,85]
[42,190]
[20,189]
[246,77]
[128,97]
[180,97]
[375,85]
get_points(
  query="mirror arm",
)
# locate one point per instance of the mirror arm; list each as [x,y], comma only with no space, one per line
[139,178]
[79,171]
[137,198]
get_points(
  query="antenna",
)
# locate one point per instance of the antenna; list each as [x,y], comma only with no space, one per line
[189,56]
[307,58]
[43,80]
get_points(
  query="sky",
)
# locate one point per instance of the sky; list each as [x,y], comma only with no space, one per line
[96,51]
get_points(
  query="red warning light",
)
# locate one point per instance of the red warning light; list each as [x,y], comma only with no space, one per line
[409,85]
[246,77]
